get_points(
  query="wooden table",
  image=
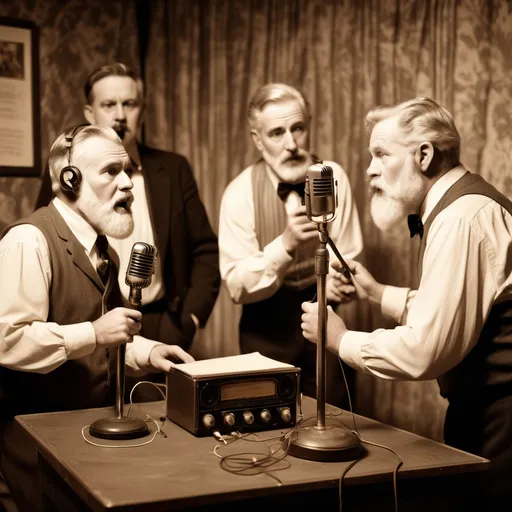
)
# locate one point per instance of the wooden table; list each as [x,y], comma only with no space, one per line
[181,472]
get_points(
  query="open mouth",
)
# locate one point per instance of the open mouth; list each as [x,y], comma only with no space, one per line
[295,160]
[123,205]
[374,189]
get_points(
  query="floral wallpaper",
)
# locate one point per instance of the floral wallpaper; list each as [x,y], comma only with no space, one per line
[76,36]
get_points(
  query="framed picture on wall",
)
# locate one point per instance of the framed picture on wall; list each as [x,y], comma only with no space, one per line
[20,144]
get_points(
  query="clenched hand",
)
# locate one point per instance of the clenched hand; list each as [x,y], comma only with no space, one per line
[117,326]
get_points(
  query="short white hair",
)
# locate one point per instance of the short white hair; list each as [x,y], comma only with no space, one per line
[273,93]
[59,156]
[422,119]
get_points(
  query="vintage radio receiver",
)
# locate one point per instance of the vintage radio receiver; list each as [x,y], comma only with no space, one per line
[245,393]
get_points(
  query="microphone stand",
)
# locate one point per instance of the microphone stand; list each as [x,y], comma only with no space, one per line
[120,426]
[324,442]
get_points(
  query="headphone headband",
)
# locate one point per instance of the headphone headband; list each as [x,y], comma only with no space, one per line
[70,176]
[70,135]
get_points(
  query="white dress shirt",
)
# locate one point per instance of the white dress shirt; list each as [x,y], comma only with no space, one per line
[28,341]
[142,232]
[252,274]
[467,268]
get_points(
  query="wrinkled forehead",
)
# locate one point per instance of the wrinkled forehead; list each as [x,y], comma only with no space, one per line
[276,113]
[112,87]
[386,133]
[99,152]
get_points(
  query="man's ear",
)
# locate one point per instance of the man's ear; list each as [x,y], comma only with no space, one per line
[424,155]
[257,140]
[88,114]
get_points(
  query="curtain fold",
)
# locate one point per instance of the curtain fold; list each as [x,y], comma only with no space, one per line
[206,58]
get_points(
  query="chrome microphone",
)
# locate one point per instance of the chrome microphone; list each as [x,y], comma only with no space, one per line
[321,196]
[141,268]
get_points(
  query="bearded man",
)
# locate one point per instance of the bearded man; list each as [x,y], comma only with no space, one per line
[266,242]
[61,314]
[456,327]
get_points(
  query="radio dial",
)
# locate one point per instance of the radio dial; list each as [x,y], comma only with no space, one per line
[265,415]
[286,414]
[208,421]
[229,419]
[248,417]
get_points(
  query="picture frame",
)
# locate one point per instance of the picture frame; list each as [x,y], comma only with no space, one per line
[20,141]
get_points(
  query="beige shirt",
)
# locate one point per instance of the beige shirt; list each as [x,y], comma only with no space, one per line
[28,341]
[252,274]
[467,268]
[142,232]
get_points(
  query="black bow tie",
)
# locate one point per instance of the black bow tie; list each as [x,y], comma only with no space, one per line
[283,189]
[415,225]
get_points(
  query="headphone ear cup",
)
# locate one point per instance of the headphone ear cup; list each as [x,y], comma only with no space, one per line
[70,179]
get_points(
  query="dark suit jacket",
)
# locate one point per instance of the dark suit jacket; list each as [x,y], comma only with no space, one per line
[186,243]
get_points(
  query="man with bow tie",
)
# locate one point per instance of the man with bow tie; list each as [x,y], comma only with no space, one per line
[266,242]
[456,327]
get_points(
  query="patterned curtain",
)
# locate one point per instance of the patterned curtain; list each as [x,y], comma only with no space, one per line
[205,59]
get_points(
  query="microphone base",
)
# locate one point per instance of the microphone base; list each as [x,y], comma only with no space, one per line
[118,428]
[326,444]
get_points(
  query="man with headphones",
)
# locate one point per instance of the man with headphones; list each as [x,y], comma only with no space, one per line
[168,213]
[61,314]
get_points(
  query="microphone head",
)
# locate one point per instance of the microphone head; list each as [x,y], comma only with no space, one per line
[320,193]
[141,266]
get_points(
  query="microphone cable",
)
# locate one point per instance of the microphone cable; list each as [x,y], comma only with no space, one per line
[148,418]
[364,441]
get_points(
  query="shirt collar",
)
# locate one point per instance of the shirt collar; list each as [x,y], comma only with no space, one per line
[439,188]
[83,231]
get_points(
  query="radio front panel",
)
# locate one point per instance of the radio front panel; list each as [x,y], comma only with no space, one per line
[245,403]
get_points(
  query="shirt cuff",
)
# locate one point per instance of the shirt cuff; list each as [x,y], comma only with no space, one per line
[137,352]
[277,255]
[393,302]
[350,346]
[79,339]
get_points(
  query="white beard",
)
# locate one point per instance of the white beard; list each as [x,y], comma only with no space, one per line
[290,171]
[293,172]
[387,213]
[103,217]
[390,207]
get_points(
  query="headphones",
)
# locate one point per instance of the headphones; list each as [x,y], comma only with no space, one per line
[70,176]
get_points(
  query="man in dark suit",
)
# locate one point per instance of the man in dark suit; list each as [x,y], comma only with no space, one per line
[168,213]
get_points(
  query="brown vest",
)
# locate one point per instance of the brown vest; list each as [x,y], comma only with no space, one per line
[488,367]
[76,295]
[270,221]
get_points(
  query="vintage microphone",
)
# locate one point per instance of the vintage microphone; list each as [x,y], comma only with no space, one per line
[138,275]
[323,442]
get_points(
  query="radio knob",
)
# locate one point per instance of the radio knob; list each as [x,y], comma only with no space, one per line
[248,417]
[229,419]
[208,421]
[286,414]
[265,415]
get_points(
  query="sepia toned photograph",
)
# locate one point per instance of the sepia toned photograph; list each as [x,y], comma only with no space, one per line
[255,255]
[12,63]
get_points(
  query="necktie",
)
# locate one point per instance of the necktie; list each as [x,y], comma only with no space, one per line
[103,264]
[283,189]
[415,225]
